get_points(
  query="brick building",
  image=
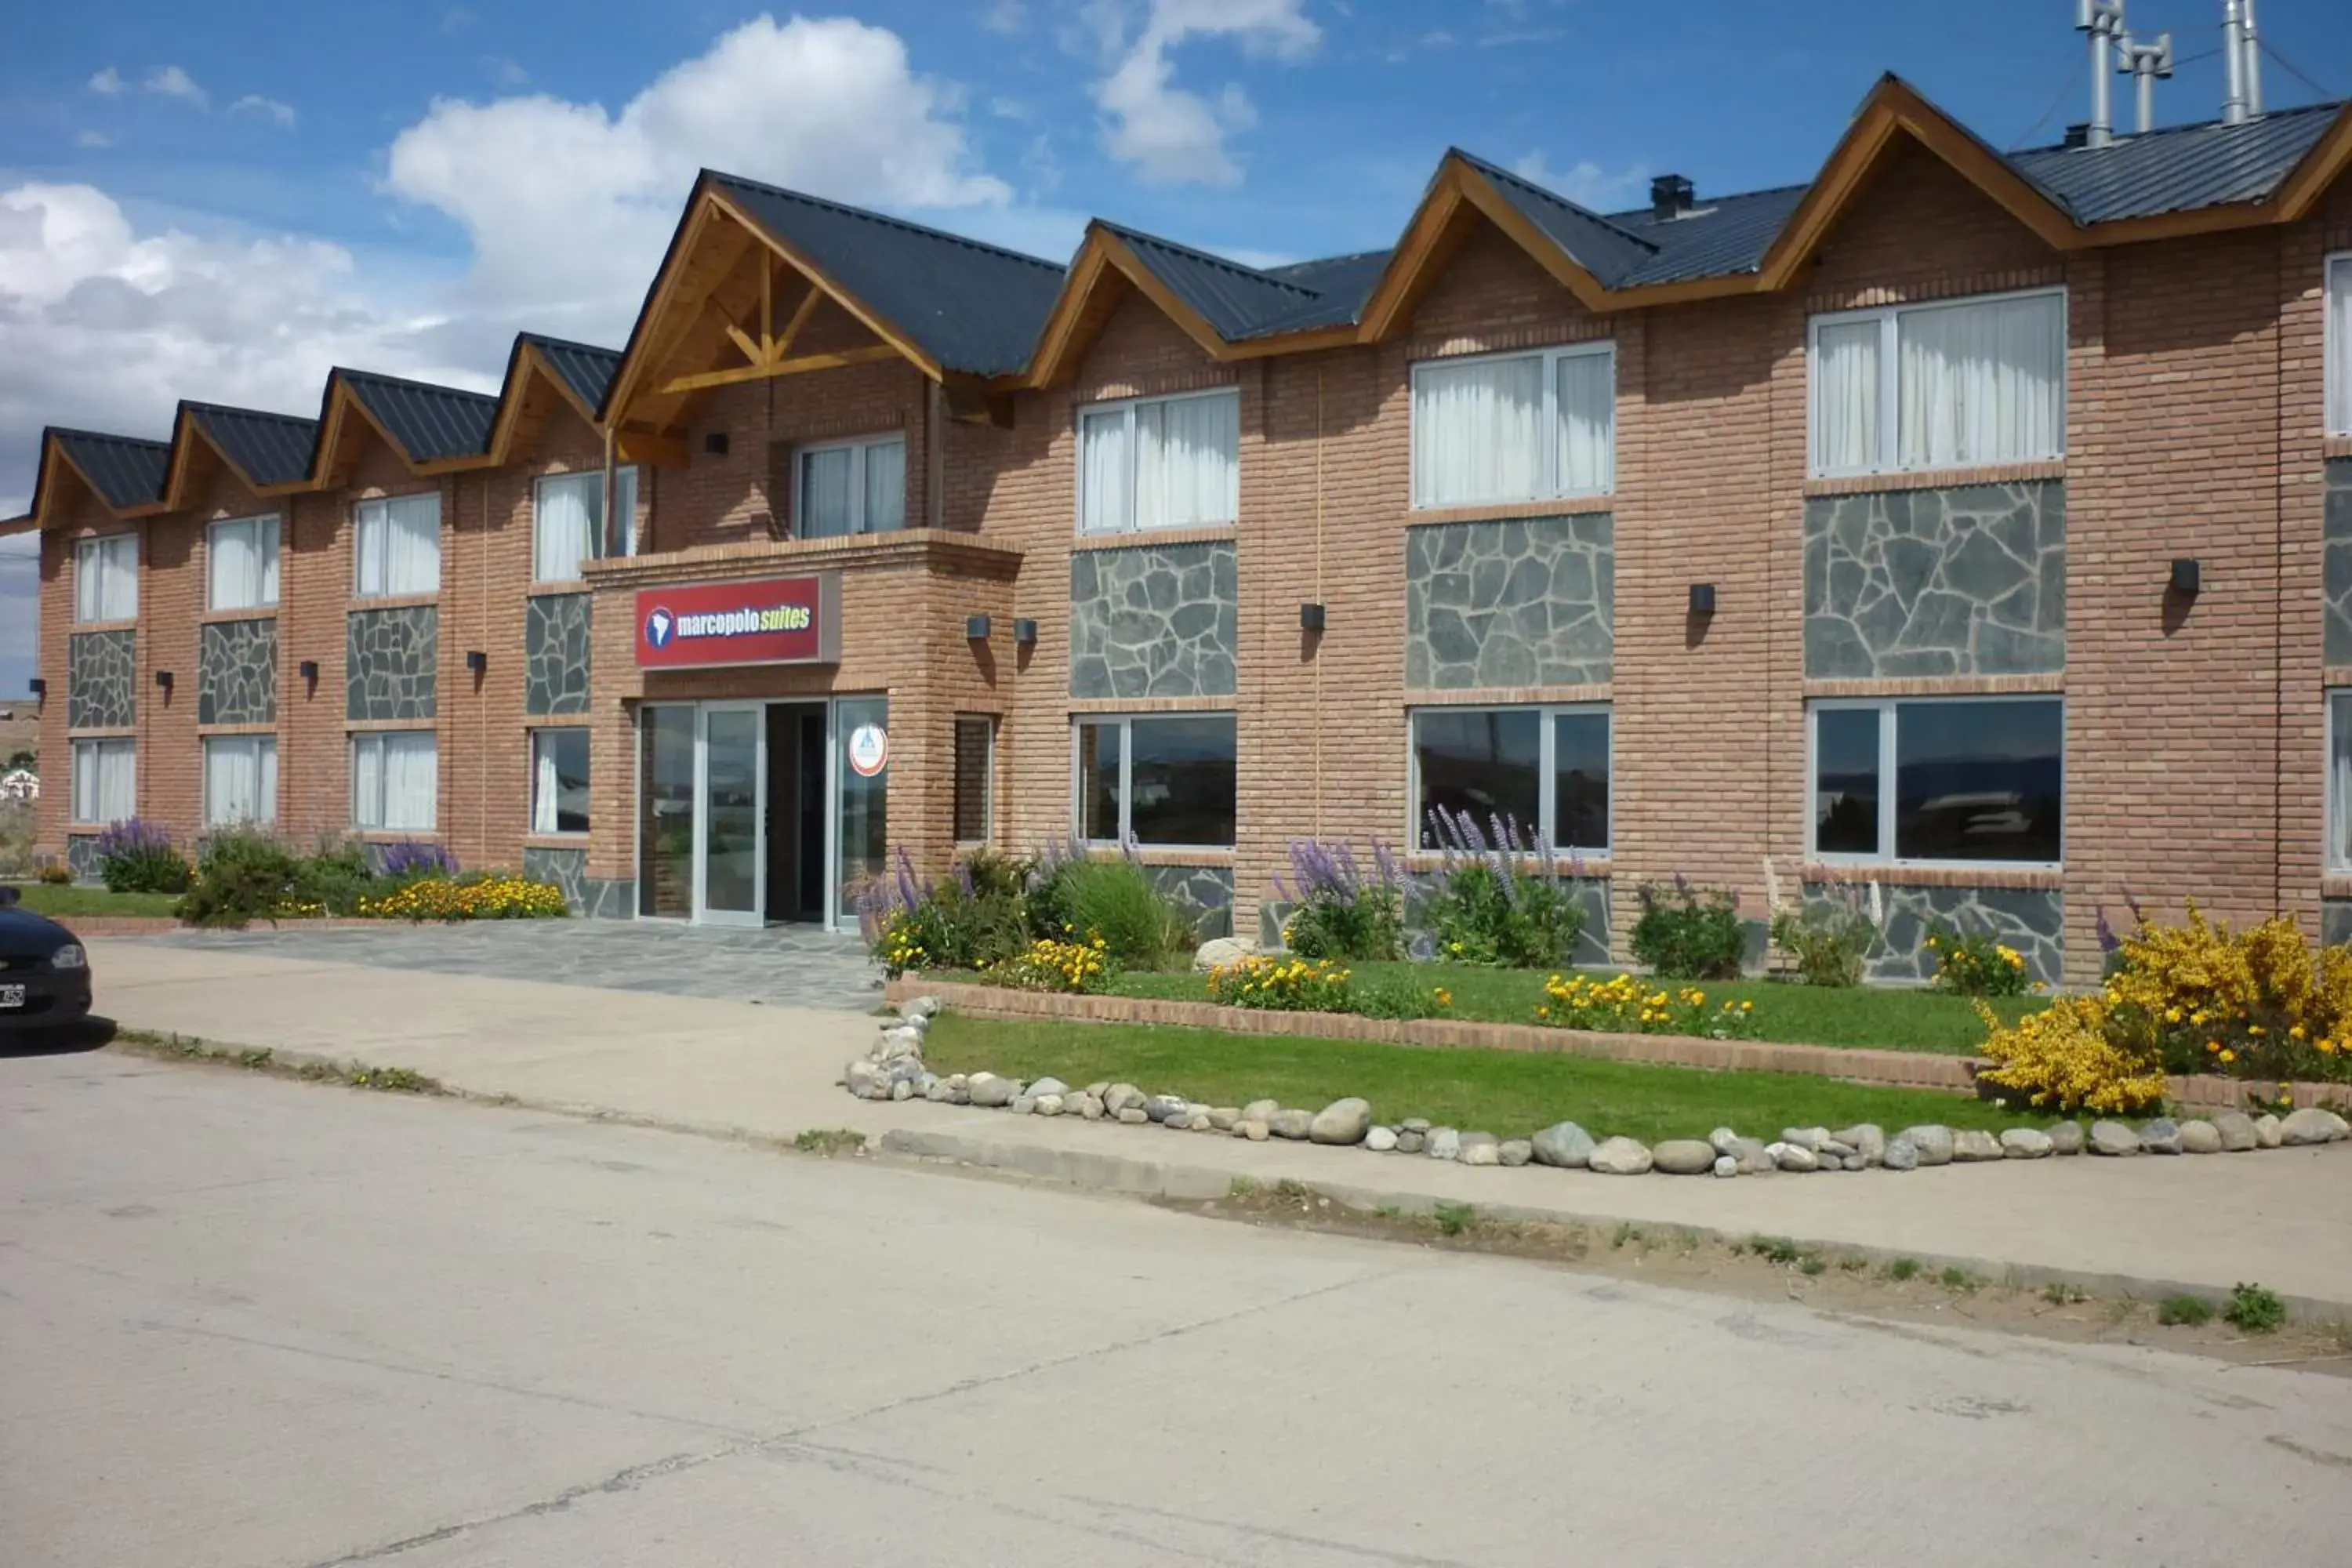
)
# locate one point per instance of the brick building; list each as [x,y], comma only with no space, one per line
[1972,524]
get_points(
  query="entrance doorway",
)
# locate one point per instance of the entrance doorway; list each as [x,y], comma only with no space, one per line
[796,822]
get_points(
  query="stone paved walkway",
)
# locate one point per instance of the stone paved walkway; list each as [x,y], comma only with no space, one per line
[798,966]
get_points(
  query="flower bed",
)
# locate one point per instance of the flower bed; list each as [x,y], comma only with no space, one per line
[492,898]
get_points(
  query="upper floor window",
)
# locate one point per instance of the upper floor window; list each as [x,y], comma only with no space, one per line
[1940,386]
[397,545]
[568,521]
[1514,427]
[2339,344]
[850,487]
[106,578]
[1160,462]
[242,563]
[2339,781]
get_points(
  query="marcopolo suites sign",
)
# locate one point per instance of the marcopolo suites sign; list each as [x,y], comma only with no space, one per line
[759,620]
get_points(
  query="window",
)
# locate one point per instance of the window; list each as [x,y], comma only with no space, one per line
[105,781]
[1543,771]
[240,780]
[850,487]
[1960,779]
[558,781]
[1160,462]
[568,521]
[106,578]
[395,780]
[1167,779]
[1514,427]
[975,777]
[242,562]
[1939,386]
[2339,344]
[397,546]
[2339,781]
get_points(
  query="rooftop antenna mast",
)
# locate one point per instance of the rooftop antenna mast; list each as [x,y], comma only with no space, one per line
[2144,63]
[2103,20]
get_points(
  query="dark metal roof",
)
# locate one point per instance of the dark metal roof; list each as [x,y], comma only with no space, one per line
[1719,237]
[430,423]
[1341,285]
[1233,299]
[971,307]
[2180,168]
[125,470]
[267,449]
[1605,249]
[586,369]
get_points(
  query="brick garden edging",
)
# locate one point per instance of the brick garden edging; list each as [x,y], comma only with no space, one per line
[1894,1069]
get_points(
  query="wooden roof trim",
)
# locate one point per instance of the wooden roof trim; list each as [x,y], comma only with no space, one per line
[1402,277]
[874,322]
[529,360]
[1564,269]
[1061,345]
[641,346]
[2329,158]
[54,460]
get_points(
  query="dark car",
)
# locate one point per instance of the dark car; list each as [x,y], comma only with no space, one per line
[44,972]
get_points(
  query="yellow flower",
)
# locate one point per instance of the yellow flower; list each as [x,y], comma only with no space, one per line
[2212,1045]
[2255,1030]
[2328,1047]
[1748,1006]
[2229,1055]
[2296,1033]
[2173,1014]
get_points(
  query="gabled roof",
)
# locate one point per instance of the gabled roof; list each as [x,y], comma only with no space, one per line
[1609,252]
[586,370]
[2180,168]
[429,423]
[266,449]
[125,470]
[967,305]
[1234,300]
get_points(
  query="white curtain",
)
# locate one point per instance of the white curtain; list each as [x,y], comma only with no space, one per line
[1103,470]
[394,780]
[2339,780]
[106,578]
[2339,346]
[1588,423]
[624,498]
[1984,383]
[1845,397]
[568,525]
[825,491]
[1477,431]
[105,781]
[885,486]
[240,780]
[243,563]
[1188,461]
[399,545]
[546,790]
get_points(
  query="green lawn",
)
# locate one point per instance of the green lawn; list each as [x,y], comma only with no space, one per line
[1909,1019]
[1510,1094]
[62,903]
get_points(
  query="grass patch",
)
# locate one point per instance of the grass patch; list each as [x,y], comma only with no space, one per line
[2255,1309]
[1877,1018]
[1452,1219]
[59,903]
[2184,1311]
[261,1059]
[1508,1092]
[829,1140]
[1903,1269]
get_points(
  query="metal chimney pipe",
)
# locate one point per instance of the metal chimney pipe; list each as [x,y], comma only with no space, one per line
[2250,42]
[2233,62]
[2146,62]
[2104,21]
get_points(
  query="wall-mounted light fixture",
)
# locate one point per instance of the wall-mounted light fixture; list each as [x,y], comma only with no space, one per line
[1310,617]
[976,627]
[715,442]
[1025,632]
[2187,578]
[163,679]
[309,670]
[38,688]
[1702,598]
[476,660]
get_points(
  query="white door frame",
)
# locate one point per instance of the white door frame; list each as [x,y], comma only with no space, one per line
[703,914]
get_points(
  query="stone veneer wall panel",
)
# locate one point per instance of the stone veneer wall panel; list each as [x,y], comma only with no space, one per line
[1524,602]
[591,898]
[237,679]
[101,680]
[2032,920]
[2338,571]
[391,656]
[1154,621]
[1968,581]
[555,653]
[1207,888]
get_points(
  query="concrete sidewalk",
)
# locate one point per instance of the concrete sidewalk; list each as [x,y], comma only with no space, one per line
[2143,1226]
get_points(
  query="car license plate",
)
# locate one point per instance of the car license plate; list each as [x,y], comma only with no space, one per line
[12,995]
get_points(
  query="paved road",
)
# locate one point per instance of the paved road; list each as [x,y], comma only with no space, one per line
[252,1323]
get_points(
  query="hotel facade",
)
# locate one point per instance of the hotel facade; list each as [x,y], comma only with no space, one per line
[1974,525]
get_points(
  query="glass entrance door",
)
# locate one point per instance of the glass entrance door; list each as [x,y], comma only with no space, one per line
[730,834]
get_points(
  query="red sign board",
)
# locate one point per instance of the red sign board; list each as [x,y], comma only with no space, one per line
[758,620]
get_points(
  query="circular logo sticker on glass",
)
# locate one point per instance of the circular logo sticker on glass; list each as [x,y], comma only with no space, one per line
[869,750]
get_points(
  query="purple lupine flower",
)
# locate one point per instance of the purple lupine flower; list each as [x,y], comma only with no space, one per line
[1386,862]
[133,835]
[963,877]
[1682,885]
[2109,941]
[911,892]
[2139,916]
[414,856]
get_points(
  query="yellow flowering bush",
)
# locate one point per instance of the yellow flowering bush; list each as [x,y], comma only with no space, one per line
[498,896]
[2069,1057]
[1973,964]
[1629,1004]
[1283,984]
[1078,968]
[2199,997]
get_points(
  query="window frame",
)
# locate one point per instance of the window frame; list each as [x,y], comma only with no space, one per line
[270,571]
[2337,860]
[359,738]
[205,757]
[1889,787]
[1126,721]
[1890,380]
[2335,302]
[93,544]
[624,498]
[858,446]
[1127,407]
[1551,487]
[987,780]
[359,554]
[1546,769]
[531,793]
[98,744]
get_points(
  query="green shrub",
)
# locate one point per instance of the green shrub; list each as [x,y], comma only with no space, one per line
[136,857]
[234,895]
[1341,911]
[1828,942]
[1402,996]
[2184,1311]
[2255,1309]
[336,878]
[1688,934]
[951,929]
[1971,963]
[1079,899]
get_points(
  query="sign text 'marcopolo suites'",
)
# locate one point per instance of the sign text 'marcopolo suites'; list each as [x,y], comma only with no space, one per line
[759,620]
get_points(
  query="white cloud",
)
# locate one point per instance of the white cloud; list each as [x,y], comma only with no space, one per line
[107,83]
[1005,17]
[569,206]
[94,139]
[1586,182]
[254,103]
[1173,135]
[171,82]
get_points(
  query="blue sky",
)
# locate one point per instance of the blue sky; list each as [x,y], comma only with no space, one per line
[220,201]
